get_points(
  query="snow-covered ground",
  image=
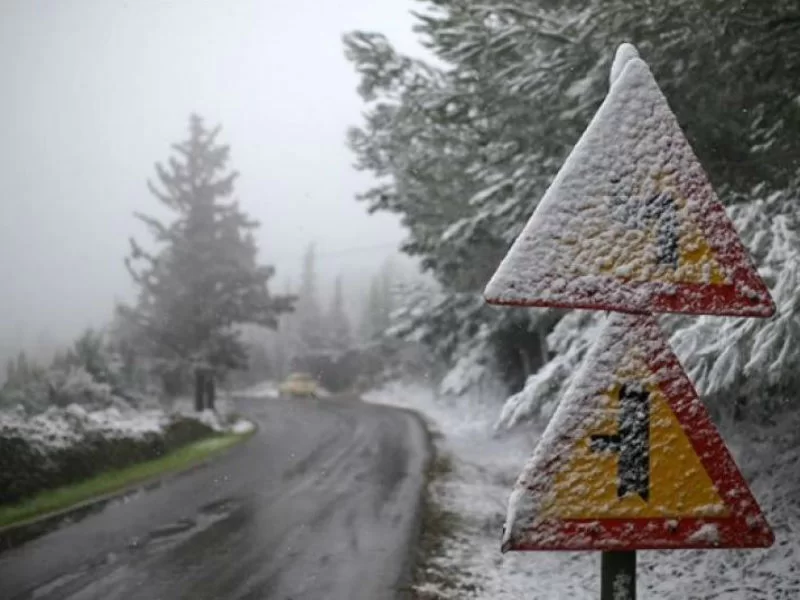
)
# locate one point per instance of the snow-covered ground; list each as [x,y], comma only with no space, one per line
[269,389]
[222,419]
[266,389]
[485,467]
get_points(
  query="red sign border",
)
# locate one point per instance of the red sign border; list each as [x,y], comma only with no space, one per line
[745,527]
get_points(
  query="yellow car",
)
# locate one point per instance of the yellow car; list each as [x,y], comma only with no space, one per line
[298,384]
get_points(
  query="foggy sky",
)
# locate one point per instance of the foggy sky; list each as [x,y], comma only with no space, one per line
[95,91]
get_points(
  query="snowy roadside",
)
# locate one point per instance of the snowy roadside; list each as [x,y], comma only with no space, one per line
[269,390]
[485,467]
[263,390]
[223,419]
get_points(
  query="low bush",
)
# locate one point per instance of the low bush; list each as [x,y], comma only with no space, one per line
[68,445]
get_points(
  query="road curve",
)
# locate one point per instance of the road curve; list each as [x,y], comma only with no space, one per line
[320,504]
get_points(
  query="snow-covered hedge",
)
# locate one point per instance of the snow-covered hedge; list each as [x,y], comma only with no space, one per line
[65,445]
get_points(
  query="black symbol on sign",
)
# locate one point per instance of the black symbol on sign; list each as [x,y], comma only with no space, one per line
[632,442]
[660,209]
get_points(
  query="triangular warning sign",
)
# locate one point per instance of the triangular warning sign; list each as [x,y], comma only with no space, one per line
[631,460]
[630,222]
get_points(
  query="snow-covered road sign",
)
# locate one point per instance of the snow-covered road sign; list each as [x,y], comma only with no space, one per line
[630,222]
[631,460]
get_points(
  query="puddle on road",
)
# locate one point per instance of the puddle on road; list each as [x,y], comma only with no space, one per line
[174,533]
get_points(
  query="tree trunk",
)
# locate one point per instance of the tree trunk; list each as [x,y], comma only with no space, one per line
[199,390]
[211,391]
[525,363]
[739,405]
[543,351]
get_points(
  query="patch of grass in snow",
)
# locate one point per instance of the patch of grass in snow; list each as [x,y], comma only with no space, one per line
[432,579]
[59,499]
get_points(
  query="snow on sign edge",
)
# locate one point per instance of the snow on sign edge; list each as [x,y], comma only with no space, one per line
[527,529]
[528,276]
[625,52]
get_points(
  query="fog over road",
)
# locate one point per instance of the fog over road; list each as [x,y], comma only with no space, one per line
[320,504]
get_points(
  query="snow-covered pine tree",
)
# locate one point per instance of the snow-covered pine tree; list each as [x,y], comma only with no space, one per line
[370,323]
[341,337]
[380,301]
[440,142]
[11,372]
[312,336]
[203,279]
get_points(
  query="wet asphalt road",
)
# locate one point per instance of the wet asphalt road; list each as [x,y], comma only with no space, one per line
[320,504]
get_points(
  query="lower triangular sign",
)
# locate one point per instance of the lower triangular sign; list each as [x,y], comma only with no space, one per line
[632,461]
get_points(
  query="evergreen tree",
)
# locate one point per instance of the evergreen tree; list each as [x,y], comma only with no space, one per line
[130,347]
[311,334]
[338,321]
[11,373]
[370,327]
[386,298]
[24,369]
[90,354]
[285,342]
[204,278]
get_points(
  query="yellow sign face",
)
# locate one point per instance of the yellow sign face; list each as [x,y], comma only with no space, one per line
[660,477]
